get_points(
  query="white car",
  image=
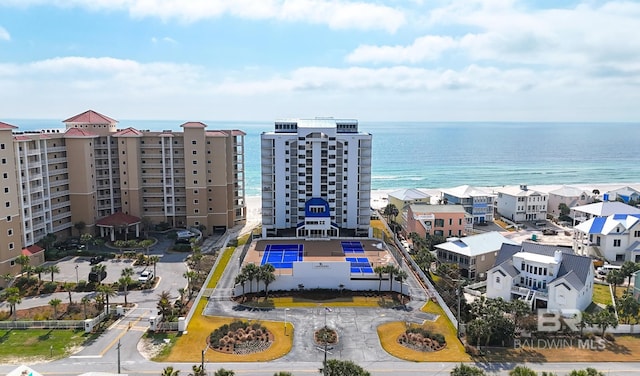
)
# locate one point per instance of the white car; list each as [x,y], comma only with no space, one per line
[145,276]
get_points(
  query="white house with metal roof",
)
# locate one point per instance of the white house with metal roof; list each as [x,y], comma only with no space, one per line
[568,195]
[616,237]
[543,276]
[601,209]
[475,201]
[519,203]
[474,254]
[402,198]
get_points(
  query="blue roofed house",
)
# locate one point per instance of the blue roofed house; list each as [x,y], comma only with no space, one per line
[625,194]
[616,237]
[542,275]
[475,201]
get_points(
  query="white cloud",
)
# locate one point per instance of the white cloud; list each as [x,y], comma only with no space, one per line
[4,34]
[424,48]
[169,40]
[337,14]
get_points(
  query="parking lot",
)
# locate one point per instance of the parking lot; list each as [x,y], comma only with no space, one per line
[74,269]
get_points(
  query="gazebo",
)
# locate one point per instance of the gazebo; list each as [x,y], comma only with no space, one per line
[118,221]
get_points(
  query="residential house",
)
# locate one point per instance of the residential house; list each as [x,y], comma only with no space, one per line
[475,201]
[442,220]
[519,203]
[474,254]
[542,275]
[568,195]
[402,198]
[601,209]
[625,194]
[616,237]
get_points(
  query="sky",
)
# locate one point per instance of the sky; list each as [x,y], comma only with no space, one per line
[260,60]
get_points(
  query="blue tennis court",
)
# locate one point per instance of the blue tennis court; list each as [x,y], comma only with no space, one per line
[282,256]
[360,264]
[352,247]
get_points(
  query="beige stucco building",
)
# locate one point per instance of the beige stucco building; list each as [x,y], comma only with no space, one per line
[53,179]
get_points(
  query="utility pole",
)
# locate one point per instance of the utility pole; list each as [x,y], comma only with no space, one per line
[202,361]
[118,356]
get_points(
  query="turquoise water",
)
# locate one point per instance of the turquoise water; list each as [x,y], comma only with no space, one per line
[438,155]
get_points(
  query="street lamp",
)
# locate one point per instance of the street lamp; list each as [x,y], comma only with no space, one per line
[77,280]
[285,320]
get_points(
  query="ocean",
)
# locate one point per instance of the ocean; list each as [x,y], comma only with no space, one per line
[441,155]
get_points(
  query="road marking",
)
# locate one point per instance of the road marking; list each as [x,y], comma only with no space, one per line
[109,346]
[85,356]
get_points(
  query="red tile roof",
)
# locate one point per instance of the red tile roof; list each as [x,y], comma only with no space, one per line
[78,133]
[237,132]
[118,218]
[193,124]
[32,250]
[90,117]
[7,126]
[128,132]
[216,134]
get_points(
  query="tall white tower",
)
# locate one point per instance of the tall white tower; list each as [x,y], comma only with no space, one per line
[316,179]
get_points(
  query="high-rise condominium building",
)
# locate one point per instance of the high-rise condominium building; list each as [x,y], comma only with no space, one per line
[53,180]
[316,179]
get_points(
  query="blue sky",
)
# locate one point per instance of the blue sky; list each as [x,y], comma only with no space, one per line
[409,60]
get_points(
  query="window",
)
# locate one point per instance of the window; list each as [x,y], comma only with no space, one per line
[193,142]
[439,223]
[10,232]
[6,190]
[7,204]
[11,246]
[616,242]
[636,234]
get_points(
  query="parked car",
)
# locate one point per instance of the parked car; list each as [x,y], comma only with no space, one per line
[145,276]
[96,259]
[97,276]
[549,231]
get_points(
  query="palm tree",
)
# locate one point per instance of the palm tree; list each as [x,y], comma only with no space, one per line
[224,372]
[190,275]
[240,280]
[334,367]
[154,260]
[164,303]
[85,300]
[106,291]
[53,269]
[267,276]
[68,287]
[522,371]
[55,303]
[169,371]
[391,269]
[13,297]
[615,277]
[379,270]
[146,244]
[23,261]
[465,370]
[125,281]
[39,270]
[401,275]
[198,370]
[251,271]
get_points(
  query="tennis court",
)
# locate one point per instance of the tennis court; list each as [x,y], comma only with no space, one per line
[352,247]
[282,256]
[360,264]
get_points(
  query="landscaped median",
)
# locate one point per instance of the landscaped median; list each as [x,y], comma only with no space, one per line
[453,352]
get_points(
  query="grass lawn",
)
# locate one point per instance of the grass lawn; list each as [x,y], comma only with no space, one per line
[454,352]
[38,344]
[347,301]
[601,294]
